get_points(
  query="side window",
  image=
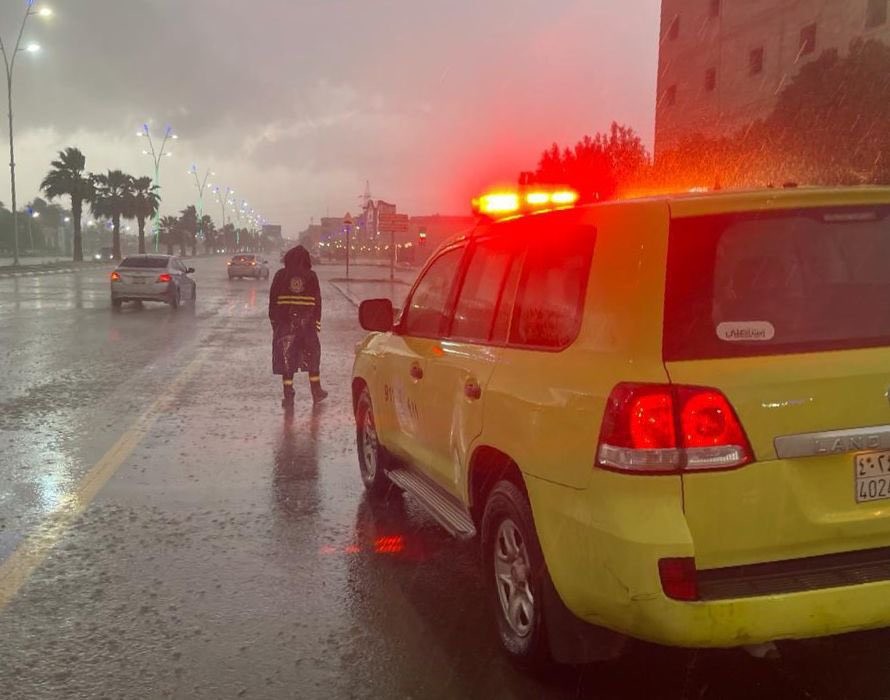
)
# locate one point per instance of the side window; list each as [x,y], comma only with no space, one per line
[508,298]
[427,311]
[552,289]
[477,304]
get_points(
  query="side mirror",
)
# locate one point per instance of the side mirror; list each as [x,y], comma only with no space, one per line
[189,270]
[376,315]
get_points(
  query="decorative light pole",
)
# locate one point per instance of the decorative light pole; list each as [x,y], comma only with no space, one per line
[223,199]
[9,63]
[157,155]
[200,185]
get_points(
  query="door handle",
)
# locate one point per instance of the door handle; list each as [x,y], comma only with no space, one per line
[416,372]
[472,390]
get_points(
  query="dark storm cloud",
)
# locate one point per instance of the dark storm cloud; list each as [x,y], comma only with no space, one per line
[296,102]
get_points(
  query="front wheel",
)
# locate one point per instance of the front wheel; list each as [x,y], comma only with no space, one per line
[515,570]
[372,458]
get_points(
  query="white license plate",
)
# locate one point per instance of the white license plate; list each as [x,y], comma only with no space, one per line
[872,476]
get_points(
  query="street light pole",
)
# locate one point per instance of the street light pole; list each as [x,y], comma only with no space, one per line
[347,224]
[201,186]
[223,200]
[157,154]
[9,63]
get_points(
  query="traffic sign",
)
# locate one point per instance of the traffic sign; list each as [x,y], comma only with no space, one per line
[394,223]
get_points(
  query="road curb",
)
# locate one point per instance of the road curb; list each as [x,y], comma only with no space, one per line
[356,301]
[343,280]
[346,296]
[34,273]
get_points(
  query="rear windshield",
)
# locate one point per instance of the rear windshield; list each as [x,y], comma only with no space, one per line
[777,283]
[243,258]
[145,262]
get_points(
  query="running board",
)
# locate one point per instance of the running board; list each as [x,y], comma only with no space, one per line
[441,506]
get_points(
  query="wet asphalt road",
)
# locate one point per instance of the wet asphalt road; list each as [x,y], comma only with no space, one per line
[167,531]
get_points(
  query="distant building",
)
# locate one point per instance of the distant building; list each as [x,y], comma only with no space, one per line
[326,234]
[327,239]
[722,63]
[429,232]
[272,238]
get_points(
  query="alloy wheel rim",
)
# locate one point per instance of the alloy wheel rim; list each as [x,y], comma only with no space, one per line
[369,447]
[512,574]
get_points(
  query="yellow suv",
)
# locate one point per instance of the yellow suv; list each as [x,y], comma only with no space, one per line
[668,418]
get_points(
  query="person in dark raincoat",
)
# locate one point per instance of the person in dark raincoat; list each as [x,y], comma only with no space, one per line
[295,313]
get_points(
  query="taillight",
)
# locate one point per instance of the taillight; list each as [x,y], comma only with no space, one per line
[165,277]
[667,429]
[678,578]
[115,276]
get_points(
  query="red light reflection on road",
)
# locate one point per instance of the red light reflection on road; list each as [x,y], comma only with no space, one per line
[390,544]
[386,544]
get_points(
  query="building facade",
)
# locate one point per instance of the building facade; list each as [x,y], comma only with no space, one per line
[722,63]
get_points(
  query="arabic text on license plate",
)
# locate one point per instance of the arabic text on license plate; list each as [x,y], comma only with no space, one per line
[871,476]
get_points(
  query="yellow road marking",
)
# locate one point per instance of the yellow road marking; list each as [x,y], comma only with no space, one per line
[33,551]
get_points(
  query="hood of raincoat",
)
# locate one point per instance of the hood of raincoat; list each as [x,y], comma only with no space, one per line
[297,259]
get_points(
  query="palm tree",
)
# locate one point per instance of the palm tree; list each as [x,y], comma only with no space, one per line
[208,229]
[144,203]
[170,231]
[67,178]
[113,198]
[188,219]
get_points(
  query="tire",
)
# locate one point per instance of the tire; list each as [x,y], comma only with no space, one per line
[175,300]
[372,457]
[116,303]
[514,570]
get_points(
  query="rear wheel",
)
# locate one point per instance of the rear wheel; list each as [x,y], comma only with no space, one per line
[515,571]
[116,303]
[175,299]
[372,457]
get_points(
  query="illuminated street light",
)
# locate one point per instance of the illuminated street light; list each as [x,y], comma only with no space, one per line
[9,63]
[224,201]
[200,185]
[157,154]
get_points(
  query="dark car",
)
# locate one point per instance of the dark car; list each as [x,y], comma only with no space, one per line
[104,255]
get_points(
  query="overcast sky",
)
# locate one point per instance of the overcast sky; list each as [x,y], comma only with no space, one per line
[295,103]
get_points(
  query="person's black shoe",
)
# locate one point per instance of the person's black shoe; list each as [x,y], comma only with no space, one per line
[318,394]
[288,399]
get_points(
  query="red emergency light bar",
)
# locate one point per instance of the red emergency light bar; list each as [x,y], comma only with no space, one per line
[503,203]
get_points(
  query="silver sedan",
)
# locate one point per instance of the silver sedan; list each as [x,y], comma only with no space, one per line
[162,278]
